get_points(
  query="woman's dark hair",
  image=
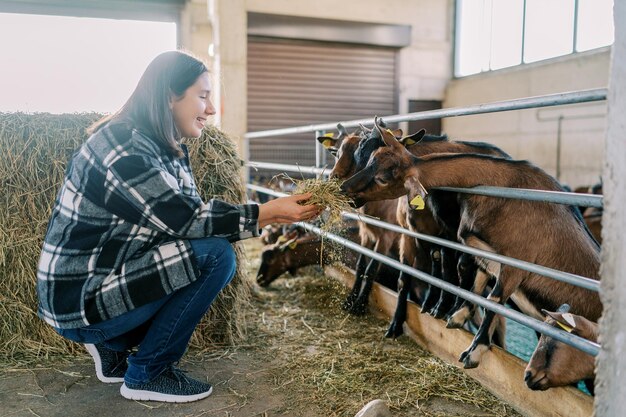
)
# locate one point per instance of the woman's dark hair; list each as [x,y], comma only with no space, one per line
[148,108]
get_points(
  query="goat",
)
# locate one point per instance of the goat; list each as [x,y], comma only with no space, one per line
[554,363]
[272,233]
[445,208]
[371,237]
[544,233]
[288,256]
[304,250]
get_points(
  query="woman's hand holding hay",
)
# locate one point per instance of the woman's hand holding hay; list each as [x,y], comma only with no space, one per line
[288,210]
[326,194]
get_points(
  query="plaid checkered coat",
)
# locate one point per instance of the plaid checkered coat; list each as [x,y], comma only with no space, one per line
[118,235]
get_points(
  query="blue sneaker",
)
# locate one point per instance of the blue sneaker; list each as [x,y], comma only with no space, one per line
[110,365]
[171,385]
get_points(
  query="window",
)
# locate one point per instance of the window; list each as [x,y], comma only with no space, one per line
[61,64]
[494,34]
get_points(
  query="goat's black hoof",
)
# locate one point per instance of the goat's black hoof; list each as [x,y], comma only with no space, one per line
[394,331]
[347,305]
[464,355]
[471,357]
[358,309]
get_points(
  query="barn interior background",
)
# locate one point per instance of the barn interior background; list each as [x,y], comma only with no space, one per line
[285,63]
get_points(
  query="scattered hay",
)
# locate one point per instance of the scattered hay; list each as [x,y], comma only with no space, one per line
[35,151]
[331,363]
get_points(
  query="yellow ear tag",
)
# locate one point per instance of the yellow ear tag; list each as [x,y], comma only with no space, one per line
[293,245]
[281,239]
[564,327]
[417,203]
[327,143]
[409,142]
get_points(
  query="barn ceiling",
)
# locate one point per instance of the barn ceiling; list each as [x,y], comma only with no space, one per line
[156,10]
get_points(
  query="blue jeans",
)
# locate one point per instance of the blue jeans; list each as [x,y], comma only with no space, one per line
[162,329]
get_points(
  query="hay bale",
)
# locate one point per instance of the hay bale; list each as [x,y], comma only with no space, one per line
[217,169]
[35,151]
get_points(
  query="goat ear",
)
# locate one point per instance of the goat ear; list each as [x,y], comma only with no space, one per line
[416,192]
[566,321]
[397,133]
[328,141]
[413,139]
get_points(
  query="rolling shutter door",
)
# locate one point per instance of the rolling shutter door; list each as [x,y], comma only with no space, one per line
[298,83]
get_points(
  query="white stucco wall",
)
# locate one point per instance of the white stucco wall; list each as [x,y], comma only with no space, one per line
[522,133]
[610,397]
[424,67]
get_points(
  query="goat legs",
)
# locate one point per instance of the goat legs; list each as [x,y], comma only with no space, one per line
[500,294]
[416,254]
[359,307]
[450,275]
[395,329]
[361,264]
[471,278]
[432,295]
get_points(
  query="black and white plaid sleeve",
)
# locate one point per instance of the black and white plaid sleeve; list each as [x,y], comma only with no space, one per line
[141,190]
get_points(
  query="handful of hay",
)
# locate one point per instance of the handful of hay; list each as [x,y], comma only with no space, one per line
[328,194]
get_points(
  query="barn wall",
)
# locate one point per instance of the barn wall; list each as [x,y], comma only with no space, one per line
[424,67]
[611,364]
[533,134]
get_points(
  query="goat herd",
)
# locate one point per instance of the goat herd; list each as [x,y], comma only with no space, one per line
[393,178]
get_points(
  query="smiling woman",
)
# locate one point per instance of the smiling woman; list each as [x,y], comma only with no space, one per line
[51,55]
[133,257]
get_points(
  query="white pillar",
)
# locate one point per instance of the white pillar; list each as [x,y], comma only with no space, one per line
[610,400]
[230,48]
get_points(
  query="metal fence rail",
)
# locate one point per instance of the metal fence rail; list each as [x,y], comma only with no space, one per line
[580,281]
[585,200]
[548,100]
[565,337]
[574,199]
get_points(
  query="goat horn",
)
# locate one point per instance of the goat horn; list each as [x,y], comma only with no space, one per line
[365,129]
[342,130]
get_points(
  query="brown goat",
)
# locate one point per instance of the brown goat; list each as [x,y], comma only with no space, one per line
[442,208]
[372,237]
[272,233]
[555,363]
[288,256]
[547,234]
